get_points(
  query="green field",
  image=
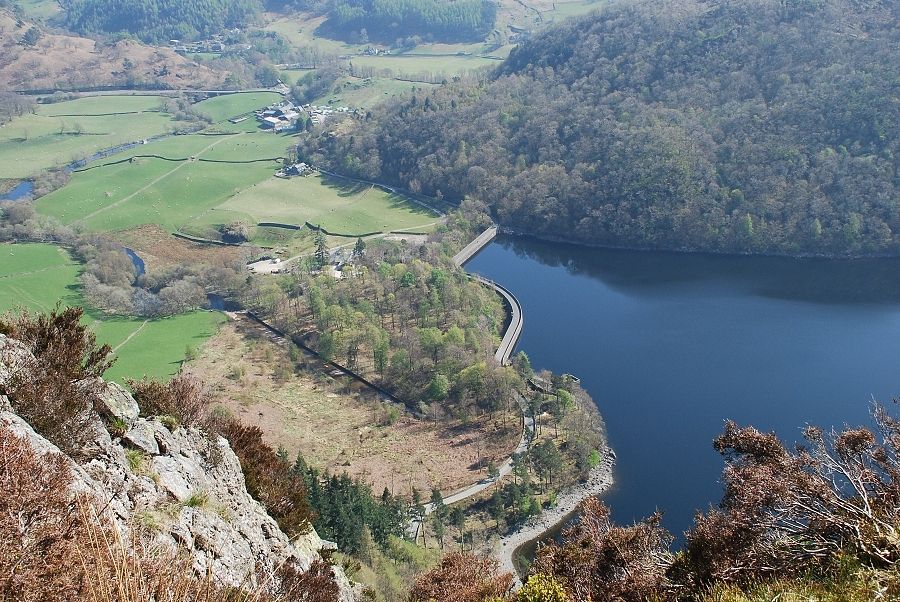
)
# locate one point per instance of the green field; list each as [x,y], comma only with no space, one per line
[102,105]
[36,276]
[564,10]
[340,206]
[299,30]
[362,93]
[169,193]
[60,133]
[407,65]
[39,9]
[221,108]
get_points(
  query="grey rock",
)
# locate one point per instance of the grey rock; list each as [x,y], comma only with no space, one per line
[169,477]
[142,437]
[226,532]
[13,356]
[116,402]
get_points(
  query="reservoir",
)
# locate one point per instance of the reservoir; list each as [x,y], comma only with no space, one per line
[671,345]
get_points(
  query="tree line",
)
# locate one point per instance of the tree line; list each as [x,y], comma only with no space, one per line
[405,317]
[110,281]
[13,105]
[759,127]
[347,511]
[156,21]
[388,20]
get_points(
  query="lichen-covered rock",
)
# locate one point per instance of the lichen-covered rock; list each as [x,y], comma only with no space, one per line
[142,437]
[116,402]
[187,486]
[13,355]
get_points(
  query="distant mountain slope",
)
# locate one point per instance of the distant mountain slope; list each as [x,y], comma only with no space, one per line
[757,126]
[159,20]
[388,20]
[53,61]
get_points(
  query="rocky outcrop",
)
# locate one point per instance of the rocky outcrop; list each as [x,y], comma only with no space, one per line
[13,355]
[184,486]
[116,403]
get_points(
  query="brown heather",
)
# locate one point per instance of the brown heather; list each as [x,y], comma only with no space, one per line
[47,390]
[183,398]
[462,578]
[56,545]
[268,477]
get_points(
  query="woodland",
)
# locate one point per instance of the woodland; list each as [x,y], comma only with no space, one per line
[753,127]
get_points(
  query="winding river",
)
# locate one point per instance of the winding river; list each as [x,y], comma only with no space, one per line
[671,345]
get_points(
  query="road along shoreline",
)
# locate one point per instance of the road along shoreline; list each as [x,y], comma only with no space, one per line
[567,501]
[535,528]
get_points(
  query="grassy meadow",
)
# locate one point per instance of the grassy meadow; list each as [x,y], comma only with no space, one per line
[40,9]
[118,195]
[59,133]
[221,108]
[299,30]
[366,92]
[340,206]
[37,276]
[412,65]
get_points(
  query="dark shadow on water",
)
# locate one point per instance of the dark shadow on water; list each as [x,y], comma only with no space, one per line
[670,345]
[813,280]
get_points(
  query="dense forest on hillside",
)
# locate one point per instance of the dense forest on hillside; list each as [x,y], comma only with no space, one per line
[760,126]
[387,20]
[159,20]
[156,21]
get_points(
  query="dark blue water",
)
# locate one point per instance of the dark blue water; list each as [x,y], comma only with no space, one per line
[21,192]
[137,262]
[672,345]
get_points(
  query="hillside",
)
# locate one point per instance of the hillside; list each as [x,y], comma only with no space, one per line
[764,126]
[175,506]
[389,20]
[159,21]
[56,61]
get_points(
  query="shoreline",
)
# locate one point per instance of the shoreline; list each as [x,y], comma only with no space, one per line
[507,231]
[600,478]
[567,502]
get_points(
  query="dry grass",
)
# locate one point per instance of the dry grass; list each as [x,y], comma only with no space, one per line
[67,62]
[159,249]
[340,430]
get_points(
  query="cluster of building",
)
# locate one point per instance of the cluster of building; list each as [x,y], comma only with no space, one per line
[283,116]
[214,45]
[280,116]
[297,169]
[318,114]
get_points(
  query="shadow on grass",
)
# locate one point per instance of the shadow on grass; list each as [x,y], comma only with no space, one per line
[343,187]
[396,201]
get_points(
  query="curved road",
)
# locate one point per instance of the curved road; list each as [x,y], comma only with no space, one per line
[507,344]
